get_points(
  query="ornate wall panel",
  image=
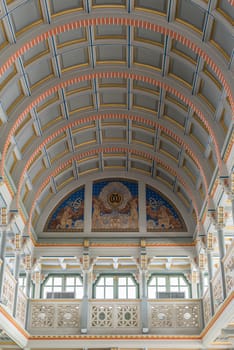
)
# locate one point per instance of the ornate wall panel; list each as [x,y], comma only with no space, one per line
[69,214]
[161,215]
[115,206]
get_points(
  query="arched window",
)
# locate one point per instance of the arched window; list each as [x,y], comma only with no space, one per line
[116,287]
[168,286]
[62,286]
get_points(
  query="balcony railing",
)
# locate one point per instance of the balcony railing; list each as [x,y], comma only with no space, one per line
[115,316]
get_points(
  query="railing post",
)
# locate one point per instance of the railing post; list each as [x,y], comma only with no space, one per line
[143,289]
[2,257]
[221,256]
[211,275]
[86,288]
[17,268]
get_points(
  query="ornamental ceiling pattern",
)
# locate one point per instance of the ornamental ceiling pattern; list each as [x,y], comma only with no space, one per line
[96,89]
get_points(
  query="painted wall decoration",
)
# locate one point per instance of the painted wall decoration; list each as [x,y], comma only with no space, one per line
[69,214]
[115,206]
[161,214]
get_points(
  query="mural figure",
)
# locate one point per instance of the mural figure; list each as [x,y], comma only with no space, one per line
[115,206]
[69,215]
[161,214]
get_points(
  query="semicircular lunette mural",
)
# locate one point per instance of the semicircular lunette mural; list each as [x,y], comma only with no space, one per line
[69,213]
[115,206]
[161,214]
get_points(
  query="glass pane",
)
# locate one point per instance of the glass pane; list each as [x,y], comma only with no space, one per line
[122,281]
[109,281]
[46,290]
[79,292]
[185,290]
[49,282]
[132,292]
[182,282]
[161,289]
[70,281]
[57,289]
[57,281]
[161,281]
[109,293]
[151,292]
[101,282]
[174,289]
[122,293]
[69,289]
[78,281]
[99,292]
[174,281]
[131,282]
[152,282]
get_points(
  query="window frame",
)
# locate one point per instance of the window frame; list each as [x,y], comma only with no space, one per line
[168,285]
[63,277]
[116,277]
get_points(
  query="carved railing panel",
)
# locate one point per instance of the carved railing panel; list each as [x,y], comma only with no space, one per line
[175,314]
[217,289]
[8,290]
[50,317]
[113,315]
[207,307]
[229,269]
[21,307]
[101,316]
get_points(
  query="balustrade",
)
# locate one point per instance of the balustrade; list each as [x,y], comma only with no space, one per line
[228,262]
[21,307]
[207,307]
[49,317]
[175,315]
[115,317]
[217,289]
[8,290]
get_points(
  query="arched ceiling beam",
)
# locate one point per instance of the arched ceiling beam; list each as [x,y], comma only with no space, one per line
[133,22]
[96,151]
[108,116]
[125,75]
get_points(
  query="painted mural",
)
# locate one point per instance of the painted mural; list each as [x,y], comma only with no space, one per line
[161,214]
[69,214]
[115,206]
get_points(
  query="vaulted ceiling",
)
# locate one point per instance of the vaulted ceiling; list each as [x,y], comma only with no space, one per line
[93,89]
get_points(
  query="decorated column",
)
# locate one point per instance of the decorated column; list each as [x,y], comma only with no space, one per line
[209,245]
[86,272]
[143,289]
[17,267]
[219,227]
[2,257]
[28,263]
